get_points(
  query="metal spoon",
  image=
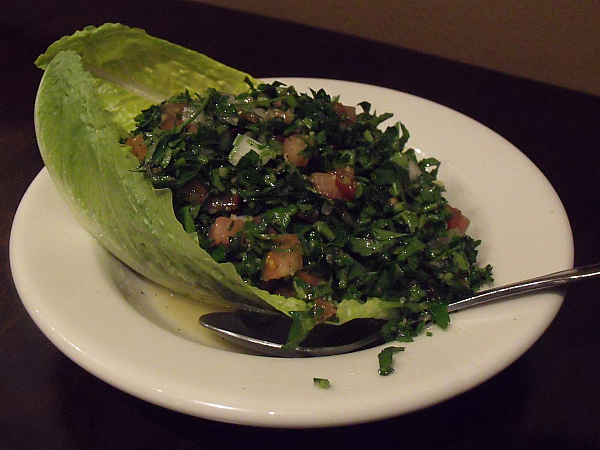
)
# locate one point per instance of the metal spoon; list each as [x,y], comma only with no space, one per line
[266,332]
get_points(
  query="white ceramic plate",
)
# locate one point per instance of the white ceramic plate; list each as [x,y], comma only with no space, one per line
[146,342]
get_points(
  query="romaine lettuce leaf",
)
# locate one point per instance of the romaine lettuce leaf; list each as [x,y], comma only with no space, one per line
[95,83]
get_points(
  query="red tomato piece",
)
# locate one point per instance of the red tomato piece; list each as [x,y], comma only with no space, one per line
[345,182]
[323,310]
[338,184]
[194,192]
[138,147]
[458,221]
[292,149]
[223,229]
[325,185]
[285,259]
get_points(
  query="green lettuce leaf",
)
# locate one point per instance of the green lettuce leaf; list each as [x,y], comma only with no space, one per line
[95,82]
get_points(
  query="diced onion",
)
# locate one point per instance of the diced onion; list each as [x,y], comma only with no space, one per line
[414,170]
[244,144]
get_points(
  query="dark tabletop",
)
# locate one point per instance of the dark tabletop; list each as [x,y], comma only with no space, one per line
[549,398]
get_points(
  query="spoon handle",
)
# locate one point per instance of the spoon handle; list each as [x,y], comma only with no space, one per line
[533,284]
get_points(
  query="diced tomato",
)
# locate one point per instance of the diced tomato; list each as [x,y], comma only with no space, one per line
[345,112]
[338,184]
[285,259]
[192,127]
[223,229]
[309,278]
[325,185]
[171,115]
[138,147]
[292,148]
[345,182]
[194,192]
[458,221]
[323,310]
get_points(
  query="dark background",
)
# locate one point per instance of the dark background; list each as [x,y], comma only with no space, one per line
[549,398]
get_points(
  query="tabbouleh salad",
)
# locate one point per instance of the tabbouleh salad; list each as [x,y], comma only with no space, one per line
[312,199]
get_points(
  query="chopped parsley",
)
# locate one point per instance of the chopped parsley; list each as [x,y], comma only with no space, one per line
[386,359]
[322,383]
[312,199]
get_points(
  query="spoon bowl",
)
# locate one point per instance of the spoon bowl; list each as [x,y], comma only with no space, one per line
[266,332]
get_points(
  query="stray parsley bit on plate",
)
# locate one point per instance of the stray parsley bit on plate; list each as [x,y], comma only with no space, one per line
[386,359]
[322,383]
